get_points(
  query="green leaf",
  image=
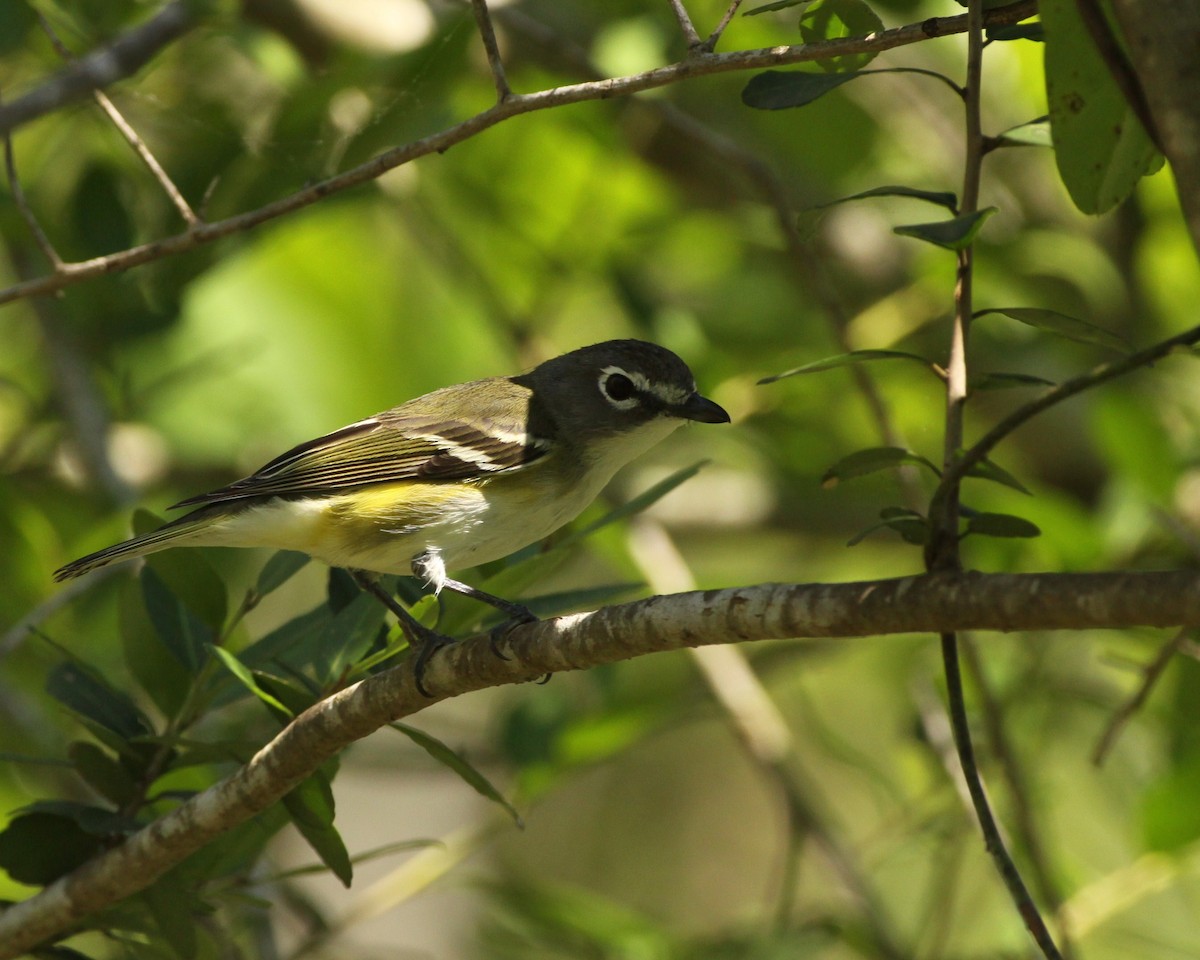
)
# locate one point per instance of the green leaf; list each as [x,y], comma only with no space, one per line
[845,360]
[311,807]
[863,462]
[781,90]
[183,633]
[172,904]
[350,634]
[1016,31]
[834,20]
[247,679]
[455,762]
[1099,144]
[938,198]
[1007,381]
[955,234]
[776,5]
[635,506]
[912,527]
[1000,525]
[1060,324]
[102,772]
[188,576]
[1035,133]
[986,470]
[86,694]
[39,847]
[159,673]
[278,570]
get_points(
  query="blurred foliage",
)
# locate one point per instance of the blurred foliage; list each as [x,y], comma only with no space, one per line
[649,831]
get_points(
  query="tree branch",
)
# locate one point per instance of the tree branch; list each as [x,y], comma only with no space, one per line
[929,603]
[697,65]
[101,68]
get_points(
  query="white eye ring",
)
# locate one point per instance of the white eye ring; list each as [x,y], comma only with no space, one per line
[621,389]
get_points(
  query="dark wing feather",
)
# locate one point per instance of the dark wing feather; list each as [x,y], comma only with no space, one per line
[391,447]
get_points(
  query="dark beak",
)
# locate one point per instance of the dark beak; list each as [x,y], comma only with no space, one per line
[702,410]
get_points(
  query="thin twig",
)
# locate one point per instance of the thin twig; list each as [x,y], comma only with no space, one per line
[104,66]
[1150,676]
[31,221]
[514,105]
[685,24]
[487,33]
[126,130]
[713,38]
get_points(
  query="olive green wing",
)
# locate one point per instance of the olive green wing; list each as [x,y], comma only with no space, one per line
[406,443]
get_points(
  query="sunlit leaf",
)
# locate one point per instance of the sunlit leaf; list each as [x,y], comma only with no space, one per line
[847,359]
[1062,325]
[1001,525]
[835,20]
[955,234]
[1036,133]
[863,462]
[459,765]
[1099,144]
[247,679]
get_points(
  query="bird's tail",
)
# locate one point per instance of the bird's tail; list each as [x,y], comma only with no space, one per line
[185,530]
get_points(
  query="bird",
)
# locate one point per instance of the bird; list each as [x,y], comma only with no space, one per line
[453,479]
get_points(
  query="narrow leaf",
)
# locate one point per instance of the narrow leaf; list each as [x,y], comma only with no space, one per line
[912,527]
[1001,525]
[1036,133]
[183,633]
[1008,381]
[328,844]
[1060,324]
[639,503]
[283,565]
[781,90]
[91,697]
[771,7]
[311,807]
[986,470]
[171,904]
[955,234]
[454,761]
[862,462]
[102,772]
[845,360]
[938,198]
[247,679]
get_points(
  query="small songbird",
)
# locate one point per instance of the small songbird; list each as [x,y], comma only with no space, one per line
[459,477]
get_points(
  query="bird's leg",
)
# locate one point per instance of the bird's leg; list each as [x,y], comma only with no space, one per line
[429,567]
[421,638]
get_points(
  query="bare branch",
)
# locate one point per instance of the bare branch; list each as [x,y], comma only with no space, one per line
[101,68]
[929,603]
[31,221]
[514,105]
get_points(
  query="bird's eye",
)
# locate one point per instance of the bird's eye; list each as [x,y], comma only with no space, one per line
[617,387]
